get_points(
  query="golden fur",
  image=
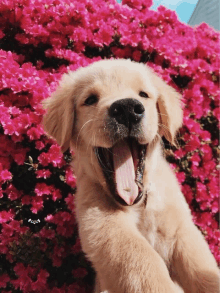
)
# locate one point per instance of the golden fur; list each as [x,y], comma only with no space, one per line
[151,245]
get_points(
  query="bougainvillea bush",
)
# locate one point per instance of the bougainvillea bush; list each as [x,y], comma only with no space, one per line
[39,41]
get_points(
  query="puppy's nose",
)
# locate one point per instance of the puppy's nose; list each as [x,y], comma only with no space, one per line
[127,111]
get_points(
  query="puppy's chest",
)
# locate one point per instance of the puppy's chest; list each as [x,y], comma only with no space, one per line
[150,228]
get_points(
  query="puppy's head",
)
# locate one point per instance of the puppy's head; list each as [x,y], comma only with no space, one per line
[109,112]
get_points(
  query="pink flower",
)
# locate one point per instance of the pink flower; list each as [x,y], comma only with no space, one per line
[138,4]
[215,206]
[56,194]
[216,113]
[205,219]
[53,156]
[24,281]
[77,246]
[12,192]
[10,129]
[35,133]
[104,35]
[43,173]
[5,175]
[5,216]
[43,188]
[45,233]
[121,53]
[59,254]
[213,187]
[145,43]
[181,177]
[207,153]
[4,279]
[187,191]
[136,55]
[37,205]
[203,197]
[192,125]
[20,157]
[44,159]
[1,34]
[209,167]
[193,144]
[40,283]
[39,145]
[195,109]
[70,178]
[179,153]
[70,202]
[195,159]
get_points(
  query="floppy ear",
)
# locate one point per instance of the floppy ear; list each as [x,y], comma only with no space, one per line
[169,109]
[59,117]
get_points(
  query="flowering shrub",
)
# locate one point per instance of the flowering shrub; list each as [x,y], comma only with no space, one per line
[39,41]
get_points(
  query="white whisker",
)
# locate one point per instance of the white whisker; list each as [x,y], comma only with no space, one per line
[81,130]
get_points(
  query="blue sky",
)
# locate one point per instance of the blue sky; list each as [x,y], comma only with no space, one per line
[183,8]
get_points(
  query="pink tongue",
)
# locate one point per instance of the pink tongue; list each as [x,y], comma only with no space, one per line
[124,172]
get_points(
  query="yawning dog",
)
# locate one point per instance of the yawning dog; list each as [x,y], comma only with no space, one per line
[134,223]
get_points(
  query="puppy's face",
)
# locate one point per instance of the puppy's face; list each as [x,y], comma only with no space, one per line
[110,112]
[115,102]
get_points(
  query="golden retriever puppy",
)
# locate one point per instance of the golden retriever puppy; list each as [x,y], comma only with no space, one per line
[134,223]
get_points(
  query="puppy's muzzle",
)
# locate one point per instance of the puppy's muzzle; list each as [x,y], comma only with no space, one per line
[127,112]
[123,163]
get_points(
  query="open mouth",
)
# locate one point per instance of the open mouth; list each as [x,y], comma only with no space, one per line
[123,168]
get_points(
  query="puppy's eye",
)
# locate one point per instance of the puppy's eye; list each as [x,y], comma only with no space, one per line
[92,99]
[143,94]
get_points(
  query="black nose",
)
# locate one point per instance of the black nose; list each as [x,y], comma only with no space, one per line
[127,111]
